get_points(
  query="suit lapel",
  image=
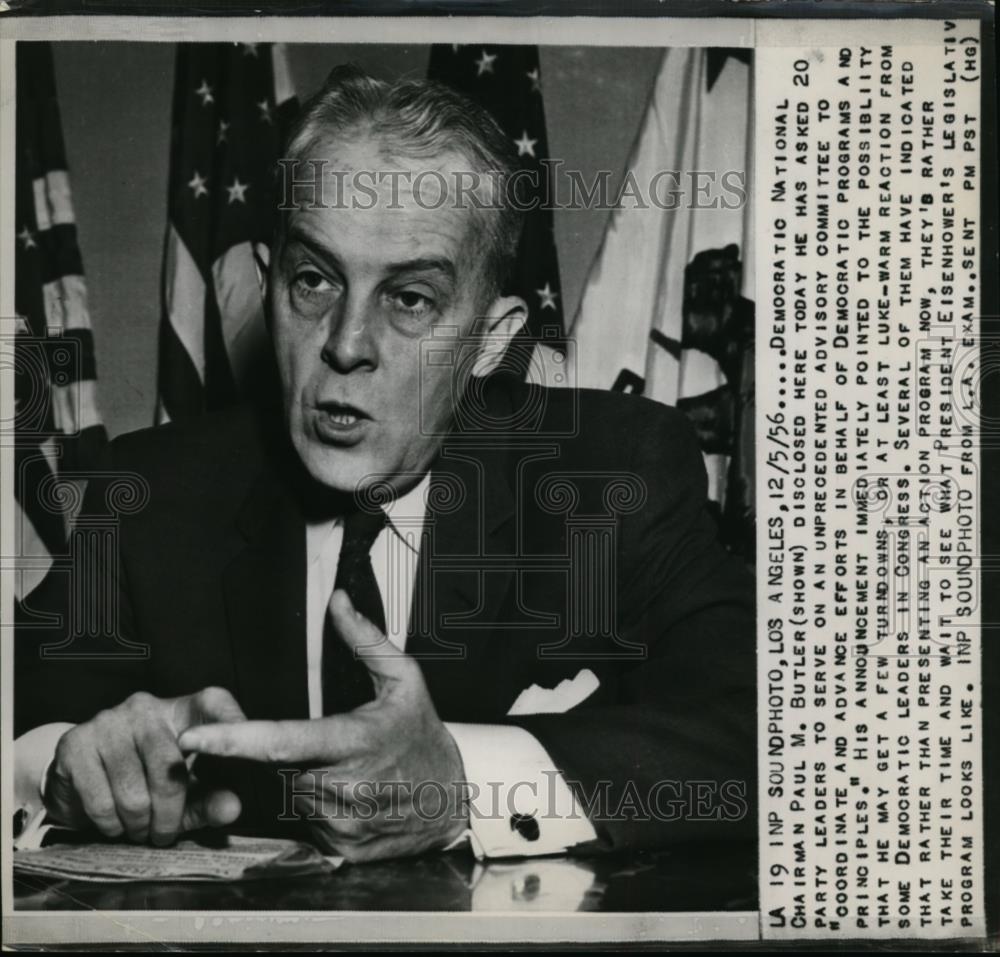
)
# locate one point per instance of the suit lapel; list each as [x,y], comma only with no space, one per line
[464,574]
[265,593]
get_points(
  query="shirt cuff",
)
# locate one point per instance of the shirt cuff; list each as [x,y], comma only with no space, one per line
[519,803]
[33,753]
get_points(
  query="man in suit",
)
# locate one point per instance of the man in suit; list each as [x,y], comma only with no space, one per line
[423,603]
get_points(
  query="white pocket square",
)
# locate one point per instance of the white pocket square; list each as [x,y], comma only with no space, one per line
[565,695]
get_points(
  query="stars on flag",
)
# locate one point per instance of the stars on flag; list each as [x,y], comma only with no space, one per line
[548,297]
[27,238]
[525,146]
[485,63]
[221,194]
[197,184]
[512,93]
[205,92]
[237,192]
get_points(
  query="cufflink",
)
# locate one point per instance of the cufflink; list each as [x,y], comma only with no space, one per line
[526,826]
[526,888]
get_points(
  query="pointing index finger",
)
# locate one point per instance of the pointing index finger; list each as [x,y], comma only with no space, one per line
[325,739]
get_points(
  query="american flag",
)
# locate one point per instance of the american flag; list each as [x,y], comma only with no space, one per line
[232,104]
[506,80]
[57,425]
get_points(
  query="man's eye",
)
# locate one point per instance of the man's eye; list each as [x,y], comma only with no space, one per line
[413,302]
[309,281]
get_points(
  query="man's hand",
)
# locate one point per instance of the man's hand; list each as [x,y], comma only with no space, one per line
[123,771]
[384,780]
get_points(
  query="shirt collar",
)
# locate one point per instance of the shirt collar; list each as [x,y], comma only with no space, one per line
[406,515]
[410,508]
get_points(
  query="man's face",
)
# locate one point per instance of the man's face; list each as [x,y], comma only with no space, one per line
[354,292]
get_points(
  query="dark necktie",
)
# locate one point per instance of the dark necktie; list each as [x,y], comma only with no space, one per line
[346,682]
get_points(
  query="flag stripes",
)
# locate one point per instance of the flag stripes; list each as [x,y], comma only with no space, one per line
[57,425]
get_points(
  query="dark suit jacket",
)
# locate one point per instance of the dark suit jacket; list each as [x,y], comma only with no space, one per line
[566,530]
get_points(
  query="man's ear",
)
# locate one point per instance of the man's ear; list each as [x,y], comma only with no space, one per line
[505,318]
[262,264]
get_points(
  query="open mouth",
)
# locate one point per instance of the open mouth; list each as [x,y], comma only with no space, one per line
[339,421]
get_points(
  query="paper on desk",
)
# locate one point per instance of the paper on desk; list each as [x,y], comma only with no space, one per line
[239,858]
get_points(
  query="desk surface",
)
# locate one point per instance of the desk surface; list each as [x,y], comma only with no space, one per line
[688,878]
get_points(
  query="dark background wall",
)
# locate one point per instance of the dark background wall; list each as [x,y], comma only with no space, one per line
[115,100]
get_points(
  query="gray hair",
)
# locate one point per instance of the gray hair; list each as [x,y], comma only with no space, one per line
[420,119]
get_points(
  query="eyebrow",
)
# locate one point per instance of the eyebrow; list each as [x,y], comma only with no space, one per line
[297,235]
[424,264]
[421,264]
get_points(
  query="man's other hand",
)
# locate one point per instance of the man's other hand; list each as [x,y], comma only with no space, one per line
[123,772]
[384,780]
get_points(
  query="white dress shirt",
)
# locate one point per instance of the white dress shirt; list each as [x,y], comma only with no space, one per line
[508,771]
